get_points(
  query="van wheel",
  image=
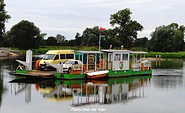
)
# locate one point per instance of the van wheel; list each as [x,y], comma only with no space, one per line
[42,69]
[69,70]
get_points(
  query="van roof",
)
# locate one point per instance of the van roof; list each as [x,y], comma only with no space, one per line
[59,51]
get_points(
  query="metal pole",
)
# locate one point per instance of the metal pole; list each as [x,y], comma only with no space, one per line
[100,41]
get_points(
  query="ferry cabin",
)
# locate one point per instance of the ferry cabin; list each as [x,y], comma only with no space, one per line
[117,60]
[91,60]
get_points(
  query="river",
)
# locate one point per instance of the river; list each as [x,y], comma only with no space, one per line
[163,92]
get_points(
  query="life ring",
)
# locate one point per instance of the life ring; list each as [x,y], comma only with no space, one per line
[37,86]
[37,64]
[121,65]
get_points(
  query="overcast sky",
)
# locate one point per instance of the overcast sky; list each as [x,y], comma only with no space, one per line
[67,17]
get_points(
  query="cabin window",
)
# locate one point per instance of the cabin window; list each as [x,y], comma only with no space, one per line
[125,57]
[109,57]
[117,57]
[62,56]
[69,56]
[56,57]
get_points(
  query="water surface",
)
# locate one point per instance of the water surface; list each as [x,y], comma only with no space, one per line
[161,93]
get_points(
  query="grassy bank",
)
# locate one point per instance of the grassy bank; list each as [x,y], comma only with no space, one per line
[179,55]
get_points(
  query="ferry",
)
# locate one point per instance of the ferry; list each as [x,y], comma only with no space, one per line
[90,65]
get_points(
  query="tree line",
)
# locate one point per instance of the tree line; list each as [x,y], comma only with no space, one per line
[25,35]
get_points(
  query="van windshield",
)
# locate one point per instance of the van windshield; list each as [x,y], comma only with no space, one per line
[48,56]
[68,62]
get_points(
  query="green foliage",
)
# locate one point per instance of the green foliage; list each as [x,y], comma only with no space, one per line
[168,38]
[90,36]
[141,42]
[24,35]
[179,55]
[125,27]
[51,41]
[138,49]
[3,18]
[60,39]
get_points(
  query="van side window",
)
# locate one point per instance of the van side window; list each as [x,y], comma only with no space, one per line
[56,57]
[62,56]
[69,56]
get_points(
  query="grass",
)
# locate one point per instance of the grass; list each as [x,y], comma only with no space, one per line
[178,55]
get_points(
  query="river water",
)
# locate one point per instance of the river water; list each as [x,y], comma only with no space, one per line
[163,92]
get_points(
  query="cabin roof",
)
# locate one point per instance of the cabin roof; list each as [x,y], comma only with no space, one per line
[124,51]
[112,50]
[138,52]
[88,52]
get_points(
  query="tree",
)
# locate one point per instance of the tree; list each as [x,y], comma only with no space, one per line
[78,39]
[24,35]
[3,18]
[60,39]
[42,41]
[141,42]
[51,41]
[90,36]
[125,27]
[167,38]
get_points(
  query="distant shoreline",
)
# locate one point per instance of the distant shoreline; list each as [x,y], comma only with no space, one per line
[6,53]
[12,53]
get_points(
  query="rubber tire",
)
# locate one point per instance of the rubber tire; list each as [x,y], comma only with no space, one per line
[69,70]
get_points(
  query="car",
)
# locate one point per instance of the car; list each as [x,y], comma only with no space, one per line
[69,65]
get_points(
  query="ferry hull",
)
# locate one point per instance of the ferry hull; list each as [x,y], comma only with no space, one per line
[70,76]
[47,74]
[53,75]
[112,74]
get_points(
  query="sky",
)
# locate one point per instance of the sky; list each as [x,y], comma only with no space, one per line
[68,17]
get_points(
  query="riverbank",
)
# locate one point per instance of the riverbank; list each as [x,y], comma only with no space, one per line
[8,53]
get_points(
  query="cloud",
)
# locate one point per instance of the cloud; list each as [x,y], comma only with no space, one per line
[68,17]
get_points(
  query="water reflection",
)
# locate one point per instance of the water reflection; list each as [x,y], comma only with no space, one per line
[1,83]
[167,64]
[168,81]
[1,89]
[82,92]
